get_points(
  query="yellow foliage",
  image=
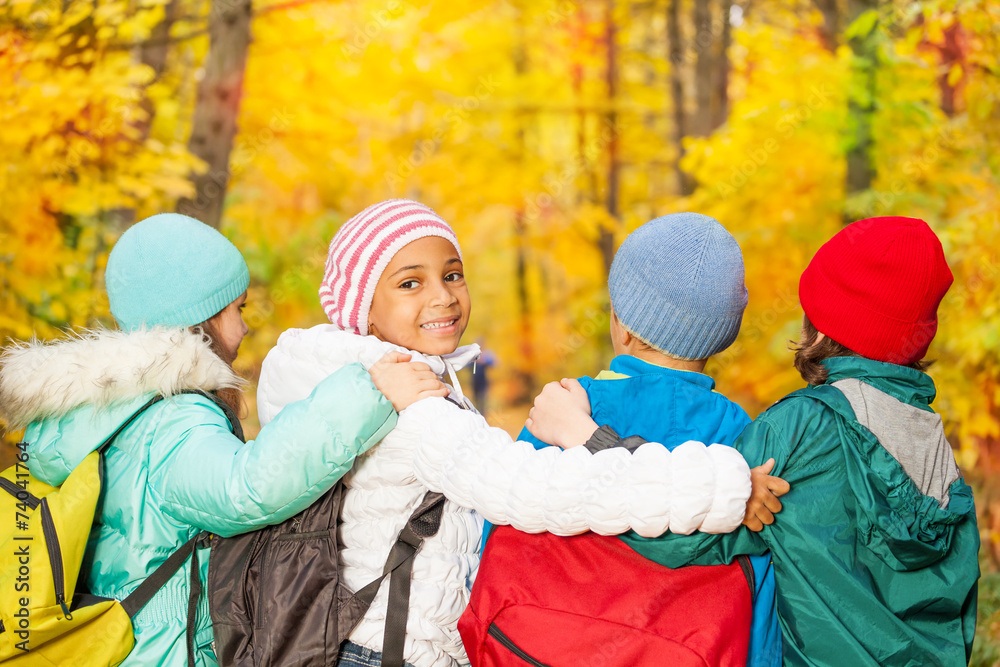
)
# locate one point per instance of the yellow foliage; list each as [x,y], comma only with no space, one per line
[499,117]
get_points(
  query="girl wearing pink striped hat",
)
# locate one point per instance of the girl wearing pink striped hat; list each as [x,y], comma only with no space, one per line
[394,287]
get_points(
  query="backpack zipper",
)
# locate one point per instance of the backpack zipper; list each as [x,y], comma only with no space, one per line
[55,557]
[259,621]
[498,635]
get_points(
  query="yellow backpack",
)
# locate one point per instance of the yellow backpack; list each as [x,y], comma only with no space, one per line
[44,531]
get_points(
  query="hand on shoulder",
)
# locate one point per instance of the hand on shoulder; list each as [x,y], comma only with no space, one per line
[763,503]
[561,415]
[404,382]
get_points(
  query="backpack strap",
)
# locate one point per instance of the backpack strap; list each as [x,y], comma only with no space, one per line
[829,396]
[125,424]
[144,592]
[234,421]
[423,523]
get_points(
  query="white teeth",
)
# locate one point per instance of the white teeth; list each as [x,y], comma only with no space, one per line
[437,325]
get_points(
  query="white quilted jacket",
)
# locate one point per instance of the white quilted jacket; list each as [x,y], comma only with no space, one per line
[438,446]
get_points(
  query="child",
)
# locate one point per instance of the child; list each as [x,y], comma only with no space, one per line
[395,283]
[178,469]
[875,553]
[677,295]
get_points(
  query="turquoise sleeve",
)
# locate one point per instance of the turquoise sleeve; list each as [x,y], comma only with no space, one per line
[207,478]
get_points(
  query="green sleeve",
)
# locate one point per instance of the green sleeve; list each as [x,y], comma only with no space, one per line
[208,479]
[758,442]
[675,550]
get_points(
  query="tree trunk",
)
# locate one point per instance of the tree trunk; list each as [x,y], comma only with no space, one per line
[712,37]
[214,123]
[721,97]
[153,53]
[607,237]
[861,106]
[704,43]
[676,57]
[587,192]
[525,365]
[951,53]
[830,30]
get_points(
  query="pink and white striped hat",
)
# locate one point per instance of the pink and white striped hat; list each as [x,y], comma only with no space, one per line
[363,247]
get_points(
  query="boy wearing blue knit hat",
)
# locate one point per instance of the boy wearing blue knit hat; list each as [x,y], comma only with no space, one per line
[678,295]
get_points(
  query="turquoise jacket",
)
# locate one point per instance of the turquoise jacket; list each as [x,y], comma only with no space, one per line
[179,469]
[870,572]
[672,407]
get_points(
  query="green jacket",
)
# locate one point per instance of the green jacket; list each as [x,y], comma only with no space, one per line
[178,469]
[869,571]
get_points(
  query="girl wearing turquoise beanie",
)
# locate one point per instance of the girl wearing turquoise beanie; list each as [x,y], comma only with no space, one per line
[176,288]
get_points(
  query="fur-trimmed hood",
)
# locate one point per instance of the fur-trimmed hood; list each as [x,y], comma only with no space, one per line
[100,367]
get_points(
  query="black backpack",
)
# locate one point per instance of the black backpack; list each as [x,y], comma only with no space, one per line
[276,596]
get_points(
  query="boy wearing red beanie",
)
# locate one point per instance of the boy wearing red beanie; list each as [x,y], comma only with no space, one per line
[875,551]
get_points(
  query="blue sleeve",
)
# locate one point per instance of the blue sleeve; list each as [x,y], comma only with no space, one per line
[526,436]
[765,633]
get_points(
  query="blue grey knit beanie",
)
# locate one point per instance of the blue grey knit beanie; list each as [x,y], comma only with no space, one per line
[174,271]
[677,283]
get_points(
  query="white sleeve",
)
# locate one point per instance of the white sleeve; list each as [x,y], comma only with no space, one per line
[286,378]
[693,487]
[303,358]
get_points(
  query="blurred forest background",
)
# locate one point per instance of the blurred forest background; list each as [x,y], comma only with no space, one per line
[544,131]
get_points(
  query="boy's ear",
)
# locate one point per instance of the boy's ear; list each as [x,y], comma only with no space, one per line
[627,337]
[623,333]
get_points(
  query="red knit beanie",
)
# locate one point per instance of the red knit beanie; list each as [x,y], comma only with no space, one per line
[875,288]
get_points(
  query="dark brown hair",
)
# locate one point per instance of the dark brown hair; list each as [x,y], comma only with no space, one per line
[231,396]
[809,354]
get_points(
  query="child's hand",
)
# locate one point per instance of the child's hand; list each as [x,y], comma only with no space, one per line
[561,415]
[404,382]
[763,503]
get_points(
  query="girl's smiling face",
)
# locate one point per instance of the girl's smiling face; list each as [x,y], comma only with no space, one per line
[421,301]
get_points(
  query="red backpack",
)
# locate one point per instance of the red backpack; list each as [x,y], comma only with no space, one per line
[590,600]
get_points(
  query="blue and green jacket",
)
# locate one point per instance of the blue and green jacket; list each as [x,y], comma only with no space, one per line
[869,570]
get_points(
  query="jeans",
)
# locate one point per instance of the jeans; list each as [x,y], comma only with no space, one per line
[355,655]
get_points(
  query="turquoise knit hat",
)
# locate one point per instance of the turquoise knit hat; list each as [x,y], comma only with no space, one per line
[677,283]
[171,270]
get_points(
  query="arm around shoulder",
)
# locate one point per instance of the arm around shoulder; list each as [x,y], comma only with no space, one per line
[209,479]
[652,490]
